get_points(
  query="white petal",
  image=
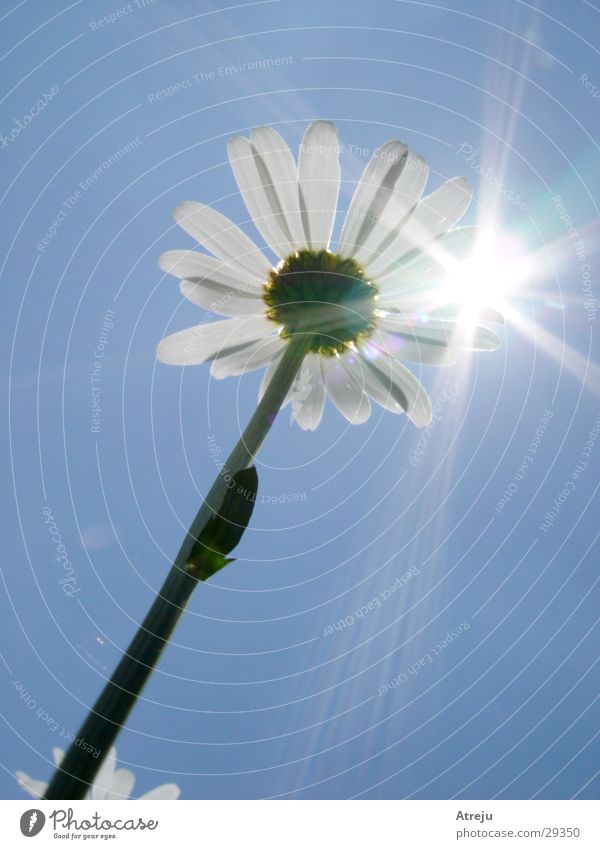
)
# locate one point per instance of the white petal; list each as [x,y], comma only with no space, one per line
[122,784]
[319,177]
[221,237]
[345,389]
[105,775]
[31,785]
[375,390]
[211,285]
[440,331]
[429,266]
[283,176]
[259,196]
[453,312]
[216,338]
[221,299]
[434,305]
[164,791]
[191,265]
[447,333]
[249,358]
[372,194]
[405,347]
[434,215]
[308,393]
[404,197]
[478,338]
[395,387]
[267,377]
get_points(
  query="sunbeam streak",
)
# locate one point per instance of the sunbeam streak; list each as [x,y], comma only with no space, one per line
[576,364]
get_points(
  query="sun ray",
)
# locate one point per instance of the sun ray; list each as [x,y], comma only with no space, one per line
[576,364]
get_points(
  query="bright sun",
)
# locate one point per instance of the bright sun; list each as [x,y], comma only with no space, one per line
[487,277]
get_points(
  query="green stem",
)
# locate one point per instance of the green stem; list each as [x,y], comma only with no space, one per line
[78,768]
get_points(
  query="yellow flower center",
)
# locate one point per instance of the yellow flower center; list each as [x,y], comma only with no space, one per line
[323,294]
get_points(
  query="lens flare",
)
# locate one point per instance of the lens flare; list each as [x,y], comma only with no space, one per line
[496,269]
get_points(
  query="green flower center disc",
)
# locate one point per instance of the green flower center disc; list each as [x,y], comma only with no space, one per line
[323,294]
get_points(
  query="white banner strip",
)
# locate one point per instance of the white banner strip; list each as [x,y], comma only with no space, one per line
[302,824]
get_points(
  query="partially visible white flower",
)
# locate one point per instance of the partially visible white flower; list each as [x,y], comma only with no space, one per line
[300,392]
[375,301]
[110,782]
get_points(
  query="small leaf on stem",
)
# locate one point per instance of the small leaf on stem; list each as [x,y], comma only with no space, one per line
[225,528]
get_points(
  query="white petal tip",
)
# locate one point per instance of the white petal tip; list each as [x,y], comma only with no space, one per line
[422,422]
[183,209]
[168,357]
[164,792]
[166,262]
[464,183]
[322,122]
[422,411]
[232,141]
[217,373]
[485,340]
[494,345]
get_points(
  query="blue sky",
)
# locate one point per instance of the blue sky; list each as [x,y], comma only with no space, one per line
[487,644]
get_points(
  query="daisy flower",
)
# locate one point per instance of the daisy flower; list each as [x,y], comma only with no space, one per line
[322,322]
[377,299]
[110,782]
